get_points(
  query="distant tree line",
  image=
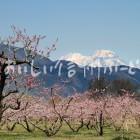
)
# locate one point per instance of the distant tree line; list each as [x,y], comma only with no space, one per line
[114,87]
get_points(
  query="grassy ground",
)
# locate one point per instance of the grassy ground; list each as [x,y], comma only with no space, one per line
[64,134]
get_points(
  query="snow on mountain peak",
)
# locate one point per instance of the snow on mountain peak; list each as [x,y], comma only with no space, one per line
[77,58]
[104,53]
[102,58]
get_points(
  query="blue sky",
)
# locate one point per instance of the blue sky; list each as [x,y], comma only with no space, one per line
[81,25]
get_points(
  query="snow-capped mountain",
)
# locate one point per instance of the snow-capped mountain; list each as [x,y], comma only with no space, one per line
[78,82]
[78,58]
[102,58]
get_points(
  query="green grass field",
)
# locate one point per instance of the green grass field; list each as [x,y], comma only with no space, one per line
[65,134]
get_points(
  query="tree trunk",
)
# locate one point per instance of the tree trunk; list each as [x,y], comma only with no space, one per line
[2,84]
[101,124]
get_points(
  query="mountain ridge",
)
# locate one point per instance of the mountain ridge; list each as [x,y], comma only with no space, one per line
[101,58]
[78,82]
